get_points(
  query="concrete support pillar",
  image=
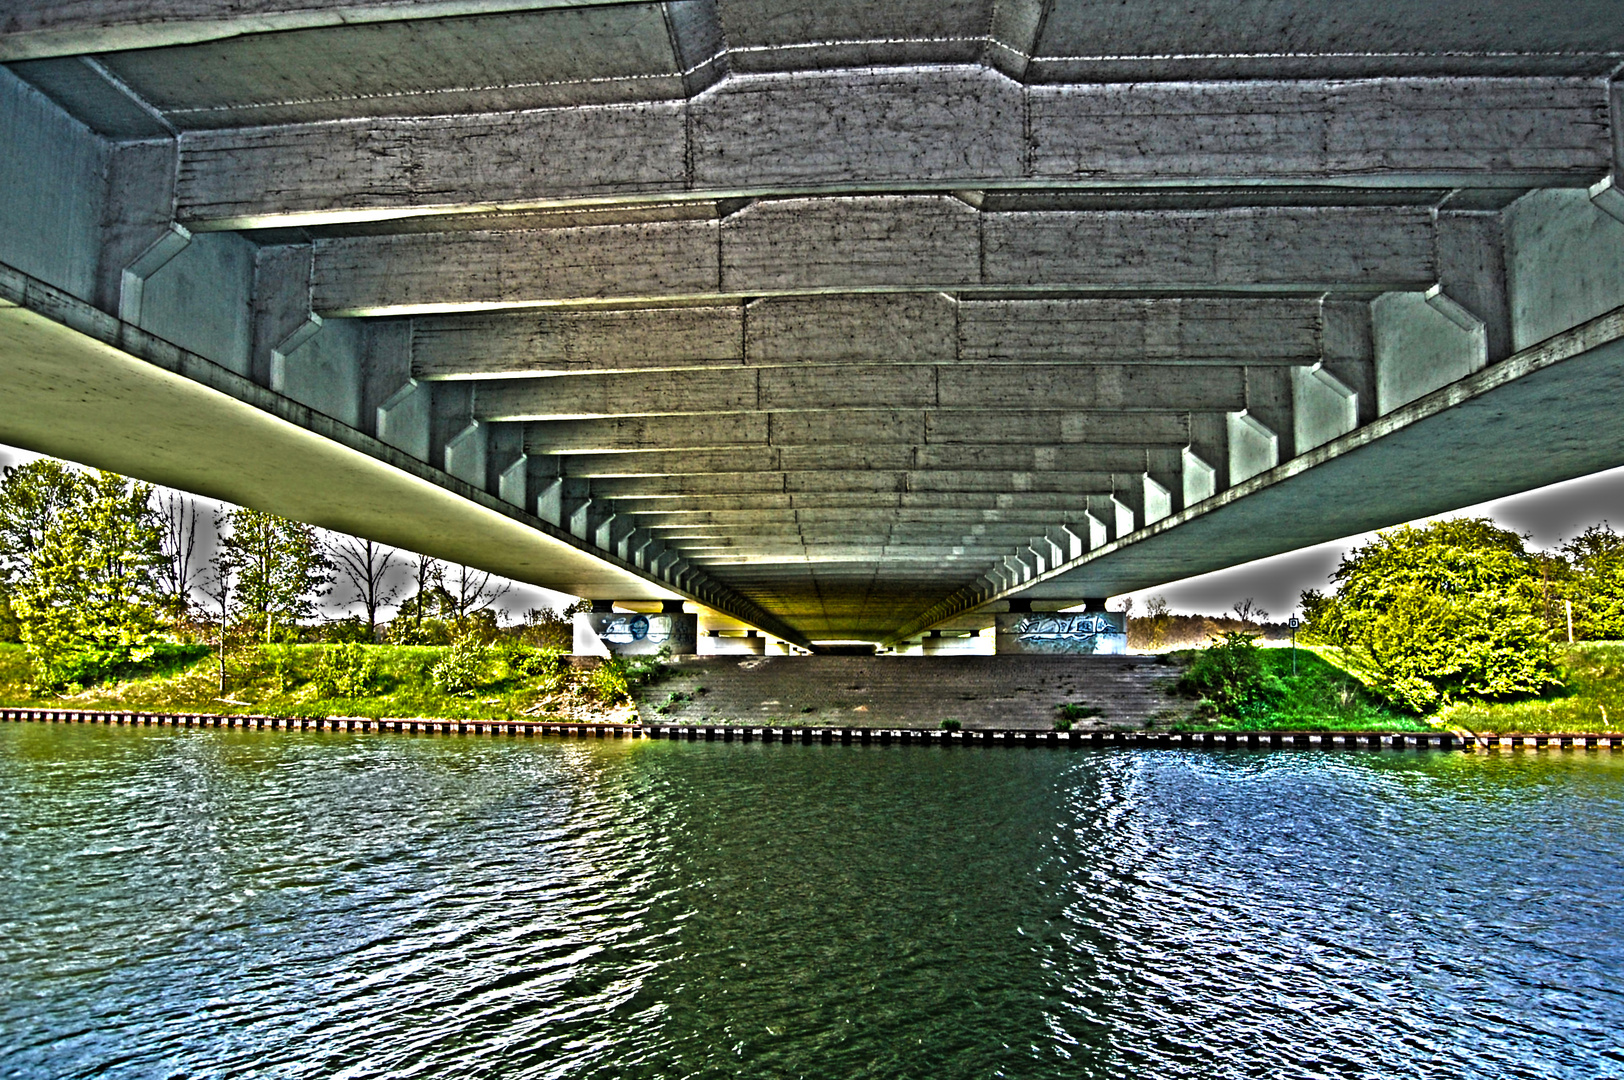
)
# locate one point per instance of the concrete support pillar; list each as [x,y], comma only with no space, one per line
[1164,467]
[507,465]
[1347,350]
[139,234]
[575,500]
[1253,447]
[404,420]
[467,454]
[1098,532]
[1067,542]
[1061,633]
[1471,288]
[619,529]
[1126,515]
[1206,459]
[1565,260]
[611,633]
[1157,500]
[1323,407]
[1269,402]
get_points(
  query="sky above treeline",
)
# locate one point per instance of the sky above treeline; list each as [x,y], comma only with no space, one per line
[1547,516]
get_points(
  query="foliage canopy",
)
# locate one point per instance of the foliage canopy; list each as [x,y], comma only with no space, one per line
[1433,615]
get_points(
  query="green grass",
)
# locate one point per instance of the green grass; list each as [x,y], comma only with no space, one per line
[278,681]
[1321,696]
[1591,698]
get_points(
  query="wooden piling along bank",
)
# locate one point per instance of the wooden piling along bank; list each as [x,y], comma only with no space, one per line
[1311,740]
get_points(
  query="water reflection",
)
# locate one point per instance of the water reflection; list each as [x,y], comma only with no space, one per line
[210,903]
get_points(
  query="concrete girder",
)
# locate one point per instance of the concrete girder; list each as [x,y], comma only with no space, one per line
[895,457]
[852,480]
[887,243]
[1062,388]
[1484,423]
[972,502]
[868,328]
[813,428]
[41,30]
[942,129]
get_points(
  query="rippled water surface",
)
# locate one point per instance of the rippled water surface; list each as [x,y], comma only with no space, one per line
[203,903]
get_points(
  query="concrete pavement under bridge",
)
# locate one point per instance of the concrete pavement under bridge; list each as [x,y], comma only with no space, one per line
[839,321]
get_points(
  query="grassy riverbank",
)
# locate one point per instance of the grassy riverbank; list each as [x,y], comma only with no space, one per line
[1325,695]
[1321,695]
[1591,699]
[285,680]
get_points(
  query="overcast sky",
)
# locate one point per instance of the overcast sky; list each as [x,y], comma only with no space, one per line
[1546,515]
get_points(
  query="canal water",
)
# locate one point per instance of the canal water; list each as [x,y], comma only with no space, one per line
[208,903]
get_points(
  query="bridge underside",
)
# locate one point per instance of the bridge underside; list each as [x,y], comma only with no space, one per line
[843,323]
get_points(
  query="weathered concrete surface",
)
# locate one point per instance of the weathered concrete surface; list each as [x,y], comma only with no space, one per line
[917,691]
[841,319]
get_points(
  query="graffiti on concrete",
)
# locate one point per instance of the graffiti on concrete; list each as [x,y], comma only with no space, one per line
[1061,632]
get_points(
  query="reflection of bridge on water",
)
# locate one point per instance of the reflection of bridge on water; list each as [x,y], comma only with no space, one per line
[844,328]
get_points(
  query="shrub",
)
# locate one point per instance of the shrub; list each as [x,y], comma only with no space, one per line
[613,679]
[88,666]
[1230,679]
[950,725]
[460,668]
[1439,614]
[608,681]
[346,671]
[346,631]
[1074,710]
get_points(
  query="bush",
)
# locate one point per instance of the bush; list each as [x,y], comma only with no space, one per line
[1437,615]
[1230,679]
[346,671]
[950,725]
[88,666]
[613,679]
[347,631]
[460,668]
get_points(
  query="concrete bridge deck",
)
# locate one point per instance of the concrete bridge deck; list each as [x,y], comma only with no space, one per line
[841,321]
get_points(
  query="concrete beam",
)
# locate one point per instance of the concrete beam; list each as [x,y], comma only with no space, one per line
[868,328]
[941,129]
[1462,444]
[893,457]
[887,243]
[32,30]
[833,427]
[1037,388]
[856,480]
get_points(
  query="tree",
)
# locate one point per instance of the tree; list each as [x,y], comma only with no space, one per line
[1437,614]
[1248,611]
[364,566]
[276,566]
[420,618]
[471,591]
[82,563]
[33,498]
[178,517]
[1595,582]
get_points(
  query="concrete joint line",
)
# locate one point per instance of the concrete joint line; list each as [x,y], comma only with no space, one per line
[132,281]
